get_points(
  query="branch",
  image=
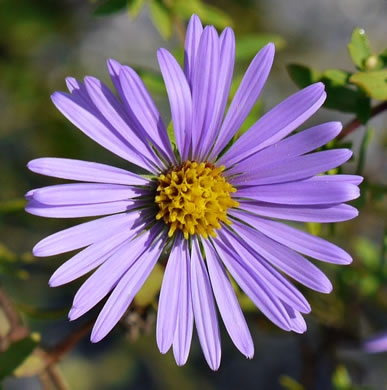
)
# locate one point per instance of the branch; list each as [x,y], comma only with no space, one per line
[355,123]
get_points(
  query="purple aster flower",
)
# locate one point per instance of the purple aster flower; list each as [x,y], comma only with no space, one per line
[207,204]
[376,344]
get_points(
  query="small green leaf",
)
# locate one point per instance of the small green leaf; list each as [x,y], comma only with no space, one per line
[110,7]
[341,378]
[134,7]
[249,45]
[289,383]
[363,150]
[16,353]
[151,287]
[303,75]
[359,48]
[373,83]
[363,108]
[161,19]
[171,134]
[337,77]
[383,57]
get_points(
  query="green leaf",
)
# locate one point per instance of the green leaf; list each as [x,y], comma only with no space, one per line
[337,77]
[110,7]
[289,383]
[363,150]
[134,7]
[363,108]
[16,353]
[383,57]
[248,46]
[151,287]
[212,15]
[303,75]
[314,228]
[359,48]
[171,134]
[161,19]
[373,83]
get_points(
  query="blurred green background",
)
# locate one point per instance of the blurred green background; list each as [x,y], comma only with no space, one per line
[42,42]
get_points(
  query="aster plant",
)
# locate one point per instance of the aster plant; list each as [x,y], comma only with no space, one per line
[210,203]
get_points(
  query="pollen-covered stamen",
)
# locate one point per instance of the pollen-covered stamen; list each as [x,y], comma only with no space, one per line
[194,198]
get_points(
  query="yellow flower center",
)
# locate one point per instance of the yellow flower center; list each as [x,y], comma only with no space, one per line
[194,198]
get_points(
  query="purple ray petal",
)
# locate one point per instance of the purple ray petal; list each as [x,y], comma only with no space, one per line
[295,239]
[95,127]
[376,344]
[226,67]
[296,145]
[86,193]
[113,110]
[205,98]
[302,192]
[192,39]
[245,97]
[126,289]
[180,100]
[254,288]
[114,68]
[291,263]
[262,270]
[169,297]
[277,123]
[84,210]
[204,309]
[351,179]
[65,168]
[311,213]
[140,105]
[83,235]
[184,325]
[77,89]
[90,258]
[228,304]
[103,280]
[296,168]
[296,319]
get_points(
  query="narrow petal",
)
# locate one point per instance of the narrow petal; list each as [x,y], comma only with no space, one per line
[85,193]
[114,68]
[90,122]
[204,88]
[351,179]
[296,145]
[225,71]
[141,107]
[298,240]
[184,324]
[302,192]
[65,168]
[228,304]
[192,39]
[103,280]
[84,210]
[90,258]
[204,309]
[245,97]
[126,289]
[169,297]
[296,319]
[296,168]
[113,110]
[277,123]
[180,99]
[263,271]
[254,288]
[83,235]
[376,344]
[291,263]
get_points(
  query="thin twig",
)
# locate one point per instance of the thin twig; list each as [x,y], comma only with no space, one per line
[355,123]
[56,354]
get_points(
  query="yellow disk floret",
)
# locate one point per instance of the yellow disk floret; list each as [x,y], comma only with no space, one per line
[194,198]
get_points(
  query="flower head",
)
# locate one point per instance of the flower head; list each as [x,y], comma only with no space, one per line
[207,203]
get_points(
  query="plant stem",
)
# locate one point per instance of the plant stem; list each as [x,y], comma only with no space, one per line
[355,123]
